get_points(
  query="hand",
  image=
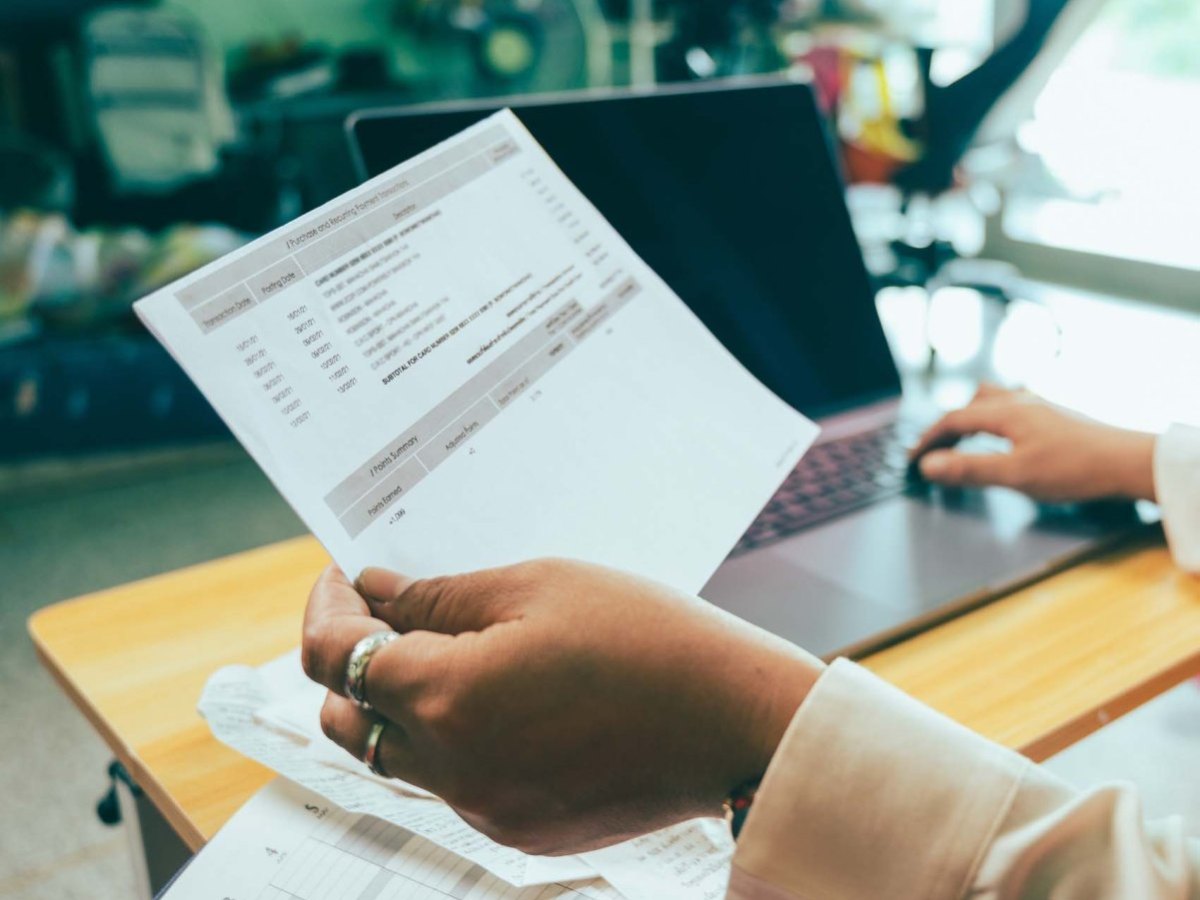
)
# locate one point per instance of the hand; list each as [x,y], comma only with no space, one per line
[557,706]
[1056,455]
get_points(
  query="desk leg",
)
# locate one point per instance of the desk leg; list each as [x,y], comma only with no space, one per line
[155,849]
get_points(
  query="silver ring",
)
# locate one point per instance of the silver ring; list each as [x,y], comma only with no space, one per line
[360,658]
[371,753]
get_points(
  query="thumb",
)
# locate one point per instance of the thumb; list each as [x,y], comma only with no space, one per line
[449,604]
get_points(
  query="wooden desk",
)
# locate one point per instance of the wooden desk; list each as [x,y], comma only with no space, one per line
[1037,670]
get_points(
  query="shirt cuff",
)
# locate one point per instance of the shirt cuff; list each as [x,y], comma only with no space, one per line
[871,794]
[1177,484]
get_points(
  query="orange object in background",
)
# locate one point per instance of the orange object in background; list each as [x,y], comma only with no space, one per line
[873,144]
[864,165]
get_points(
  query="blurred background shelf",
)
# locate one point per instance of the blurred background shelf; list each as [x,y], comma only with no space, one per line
[140,140]
[86,395]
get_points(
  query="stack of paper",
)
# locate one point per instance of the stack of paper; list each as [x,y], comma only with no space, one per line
[457,365]
[272,715]
[289,843]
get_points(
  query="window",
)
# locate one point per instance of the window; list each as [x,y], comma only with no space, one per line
[1118,128]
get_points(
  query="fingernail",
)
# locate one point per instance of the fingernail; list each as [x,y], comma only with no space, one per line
[379,586]
[371,598]
[934,465]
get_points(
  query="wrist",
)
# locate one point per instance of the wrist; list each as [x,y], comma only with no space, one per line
[784,682]
[1131,464]
[780,694]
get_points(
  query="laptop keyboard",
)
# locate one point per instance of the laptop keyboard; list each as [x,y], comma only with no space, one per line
[834,478]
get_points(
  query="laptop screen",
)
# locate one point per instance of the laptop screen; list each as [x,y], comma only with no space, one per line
[732,196]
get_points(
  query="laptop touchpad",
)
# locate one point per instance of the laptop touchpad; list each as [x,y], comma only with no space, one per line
[920,554]
[775,591]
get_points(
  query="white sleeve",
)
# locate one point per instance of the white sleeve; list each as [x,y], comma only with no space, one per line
[1177,484]
[872,795]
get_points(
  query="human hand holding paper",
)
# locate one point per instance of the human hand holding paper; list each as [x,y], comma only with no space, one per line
[557,706]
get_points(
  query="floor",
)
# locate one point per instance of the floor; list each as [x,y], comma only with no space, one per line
[68,536]
[65,535]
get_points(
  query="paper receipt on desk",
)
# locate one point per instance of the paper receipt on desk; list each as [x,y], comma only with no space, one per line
[461,364]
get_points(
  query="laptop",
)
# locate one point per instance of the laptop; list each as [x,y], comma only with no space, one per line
[731,192]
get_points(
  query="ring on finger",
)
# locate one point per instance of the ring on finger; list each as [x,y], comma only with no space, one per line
[371,751]
[360,659]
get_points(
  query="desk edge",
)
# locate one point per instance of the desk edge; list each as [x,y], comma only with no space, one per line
[171,811]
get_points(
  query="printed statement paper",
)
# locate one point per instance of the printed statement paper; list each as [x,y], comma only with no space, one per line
[460,364]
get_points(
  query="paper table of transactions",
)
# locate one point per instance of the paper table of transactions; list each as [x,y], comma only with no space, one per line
[323,344]
[288,843]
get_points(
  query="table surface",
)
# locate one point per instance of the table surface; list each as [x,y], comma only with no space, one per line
[1036,670]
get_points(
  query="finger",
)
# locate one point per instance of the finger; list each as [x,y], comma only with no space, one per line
[349,727]
[988,390]
[327,645]
[410,668]
[955,469]
[333,596]
[448,605]
[335,620]
[417,665]
[991,416]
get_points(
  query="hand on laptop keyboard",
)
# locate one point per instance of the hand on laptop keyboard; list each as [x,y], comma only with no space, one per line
[1056,455]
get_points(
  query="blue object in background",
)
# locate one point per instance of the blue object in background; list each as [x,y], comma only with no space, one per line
[69,396]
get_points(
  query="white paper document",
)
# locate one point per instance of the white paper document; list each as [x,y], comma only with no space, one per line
[272,715]
[288,843]
[687,862]
[461,364]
